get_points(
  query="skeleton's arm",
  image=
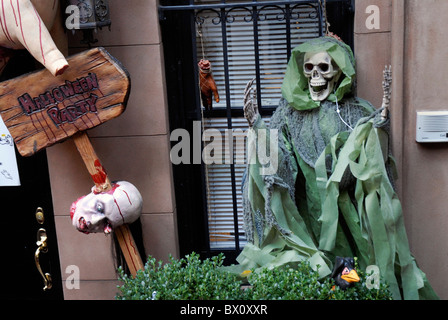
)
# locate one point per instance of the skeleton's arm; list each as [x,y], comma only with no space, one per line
[250,103]
[387,80]
[383,132]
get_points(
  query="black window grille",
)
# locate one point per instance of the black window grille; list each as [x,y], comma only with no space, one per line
[242,40]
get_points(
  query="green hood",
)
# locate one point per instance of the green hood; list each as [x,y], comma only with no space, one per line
[295,84]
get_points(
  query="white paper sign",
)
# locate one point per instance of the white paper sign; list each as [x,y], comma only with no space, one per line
[9,172]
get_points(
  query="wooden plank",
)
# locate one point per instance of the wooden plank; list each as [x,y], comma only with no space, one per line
[41,110]
[129,249]
[92,162]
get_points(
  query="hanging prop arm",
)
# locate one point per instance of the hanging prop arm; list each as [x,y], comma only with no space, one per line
[207,84]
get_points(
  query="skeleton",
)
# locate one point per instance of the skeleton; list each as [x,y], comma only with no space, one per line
[333,192]
[322,74]
[104,211]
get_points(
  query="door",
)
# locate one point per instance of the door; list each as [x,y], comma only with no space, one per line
[20,276]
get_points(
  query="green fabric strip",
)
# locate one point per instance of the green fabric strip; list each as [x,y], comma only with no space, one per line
[378,223]
[371,213]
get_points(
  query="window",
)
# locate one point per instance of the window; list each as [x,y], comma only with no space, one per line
[251,49]
[242,40]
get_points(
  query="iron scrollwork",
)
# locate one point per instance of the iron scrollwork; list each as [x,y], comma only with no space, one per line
[262,13]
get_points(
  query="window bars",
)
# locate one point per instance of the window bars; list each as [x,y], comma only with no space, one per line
[242,40]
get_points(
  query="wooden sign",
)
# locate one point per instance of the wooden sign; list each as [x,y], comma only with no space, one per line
[40,109]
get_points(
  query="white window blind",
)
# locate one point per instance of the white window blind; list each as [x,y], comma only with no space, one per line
[219,183]
[272,46]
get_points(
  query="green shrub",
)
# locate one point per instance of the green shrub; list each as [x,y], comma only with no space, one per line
[184,279]
[303,283]
[193,279]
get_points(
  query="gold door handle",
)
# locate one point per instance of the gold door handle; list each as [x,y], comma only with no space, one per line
[42,247]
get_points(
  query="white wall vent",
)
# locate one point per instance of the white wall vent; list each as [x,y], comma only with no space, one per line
[432,126]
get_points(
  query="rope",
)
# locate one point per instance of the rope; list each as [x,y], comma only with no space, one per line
[207,183]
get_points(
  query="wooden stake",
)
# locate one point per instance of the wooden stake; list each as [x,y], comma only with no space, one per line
[103,184]
[92,162]
[129,249]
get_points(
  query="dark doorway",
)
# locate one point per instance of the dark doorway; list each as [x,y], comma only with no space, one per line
[21,278]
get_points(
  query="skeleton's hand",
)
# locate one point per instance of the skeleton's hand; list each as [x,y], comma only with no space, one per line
[387,80]
[250,103]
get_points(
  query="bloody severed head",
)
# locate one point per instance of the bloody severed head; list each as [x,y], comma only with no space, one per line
[104,211]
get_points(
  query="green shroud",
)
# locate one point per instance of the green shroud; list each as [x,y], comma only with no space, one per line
[331,194]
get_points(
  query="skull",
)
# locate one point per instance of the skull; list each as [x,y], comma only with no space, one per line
[322,74]
[101,212]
